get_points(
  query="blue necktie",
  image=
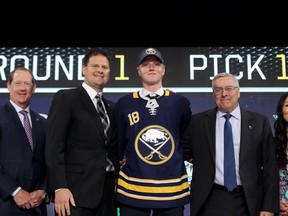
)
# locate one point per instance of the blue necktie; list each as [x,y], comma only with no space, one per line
[229,160]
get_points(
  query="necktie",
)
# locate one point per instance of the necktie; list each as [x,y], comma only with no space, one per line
[229,160]
[102,114]
[27,128]
[105,123]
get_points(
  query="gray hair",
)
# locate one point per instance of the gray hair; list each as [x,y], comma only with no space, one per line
[225,74]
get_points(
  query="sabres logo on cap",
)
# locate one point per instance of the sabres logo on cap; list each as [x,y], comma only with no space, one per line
[150,51]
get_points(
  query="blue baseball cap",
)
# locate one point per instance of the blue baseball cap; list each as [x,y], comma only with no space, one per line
[150,52]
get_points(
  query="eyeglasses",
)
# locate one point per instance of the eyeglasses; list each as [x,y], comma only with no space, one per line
[227,89]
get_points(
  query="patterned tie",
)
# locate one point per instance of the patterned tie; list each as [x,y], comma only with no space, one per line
[102,114]
[106,124]
[27,128]
[229,160]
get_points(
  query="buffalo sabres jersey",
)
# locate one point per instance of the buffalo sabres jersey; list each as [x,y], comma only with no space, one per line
[149,132]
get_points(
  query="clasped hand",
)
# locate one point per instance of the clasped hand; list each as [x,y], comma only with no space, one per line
[284,208]
[26,200]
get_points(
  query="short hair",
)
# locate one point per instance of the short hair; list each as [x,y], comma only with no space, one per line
[225,74]
[11,74]
[94,52]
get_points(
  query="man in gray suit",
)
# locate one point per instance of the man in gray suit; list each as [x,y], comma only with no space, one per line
[256,188]
[22,161]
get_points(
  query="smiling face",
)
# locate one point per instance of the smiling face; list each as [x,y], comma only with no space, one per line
[97,72]
[226,94]
[21,88]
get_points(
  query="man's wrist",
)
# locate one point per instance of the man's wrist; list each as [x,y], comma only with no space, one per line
[16,191]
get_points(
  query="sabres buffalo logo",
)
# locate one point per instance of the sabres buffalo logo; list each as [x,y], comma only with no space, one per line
[154,145]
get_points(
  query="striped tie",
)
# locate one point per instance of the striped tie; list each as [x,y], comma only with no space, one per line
[102,114]
[106,124]
[27,128]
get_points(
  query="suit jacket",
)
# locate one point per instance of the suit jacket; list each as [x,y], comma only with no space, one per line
[257,166]
[76,150]
[19,166]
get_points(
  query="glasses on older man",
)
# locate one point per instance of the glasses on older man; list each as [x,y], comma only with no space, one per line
[227,89]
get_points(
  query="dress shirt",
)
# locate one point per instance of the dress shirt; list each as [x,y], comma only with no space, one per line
[18,109]
[144,93]
[92,94]
[236,130]
[21,116]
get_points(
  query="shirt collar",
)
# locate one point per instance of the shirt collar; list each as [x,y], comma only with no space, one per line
[91,92]
[18,109]
[144,92]
[235,113]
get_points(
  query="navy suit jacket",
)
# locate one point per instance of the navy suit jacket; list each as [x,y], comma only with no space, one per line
[76,150]
[257,166]
[19,166]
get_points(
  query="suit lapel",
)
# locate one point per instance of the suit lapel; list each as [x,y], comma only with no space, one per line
[210,124]
[110,115]
[35,125]
[88,103]
[247,126]
[15,118]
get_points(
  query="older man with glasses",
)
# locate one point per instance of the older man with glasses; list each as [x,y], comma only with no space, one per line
[240,179]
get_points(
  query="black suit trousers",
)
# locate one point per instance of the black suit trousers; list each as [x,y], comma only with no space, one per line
[107,206]
[223,203]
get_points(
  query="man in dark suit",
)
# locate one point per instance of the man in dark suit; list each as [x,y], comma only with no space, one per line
[81,161]
[256,189]
[22,164]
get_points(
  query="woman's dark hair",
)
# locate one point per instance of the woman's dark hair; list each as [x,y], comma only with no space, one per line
[280,128]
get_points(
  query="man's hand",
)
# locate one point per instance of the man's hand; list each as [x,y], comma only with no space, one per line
[23,200]
[284,208]
[63,198]
[37,197]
